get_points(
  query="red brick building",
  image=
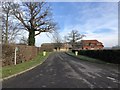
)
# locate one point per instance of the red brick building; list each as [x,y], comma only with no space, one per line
[91,45]
[84,45]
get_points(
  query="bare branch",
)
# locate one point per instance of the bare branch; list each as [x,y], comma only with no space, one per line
[74,37]
[34,16]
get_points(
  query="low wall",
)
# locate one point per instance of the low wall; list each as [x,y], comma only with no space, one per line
[23,54]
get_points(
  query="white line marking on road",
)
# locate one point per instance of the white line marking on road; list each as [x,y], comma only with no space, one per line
[90,75]
[91,86]
[109,87]
[111,78]
[97,75]
[60,57]
[43,86]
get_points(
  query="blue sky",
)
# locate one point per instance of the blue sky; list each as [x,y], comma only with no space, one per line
[97,20]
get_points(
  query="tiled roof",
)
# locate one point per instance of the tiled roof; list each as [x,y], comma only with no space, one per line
[90,41]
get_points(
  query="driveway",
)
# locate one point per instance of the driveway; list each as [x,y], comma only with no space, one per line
[63,71]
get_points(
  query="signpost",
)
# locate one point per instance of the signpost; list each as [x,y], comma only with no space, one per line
[16,49]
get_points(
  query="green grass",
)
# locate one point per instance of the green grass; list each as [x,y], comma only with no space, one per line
[85,58]
[10,70]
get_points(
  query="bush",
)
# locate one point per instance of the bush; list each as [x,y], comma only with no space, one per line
[111,56]
[25,53]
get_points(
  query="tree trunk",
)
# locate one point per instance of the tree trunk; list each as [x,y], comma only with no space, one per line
[6,32]
[31,38]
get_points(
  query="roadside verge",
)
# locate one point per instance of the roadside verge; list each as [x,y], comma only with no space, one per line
[85,58]
[12,71]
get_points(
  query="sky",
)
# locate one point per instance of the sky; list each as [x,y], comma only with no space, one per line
[97,20]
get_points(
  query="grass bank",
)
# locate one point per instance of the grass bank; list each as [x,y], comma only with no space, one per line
[14,69]
[110,56]
[85,58]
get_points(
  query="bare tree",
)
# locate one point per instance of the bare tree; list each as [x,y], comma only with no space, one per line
[73,37]
[23,40]
[6,10]
[66,42]
[35,17]
[57,41]
[65,39]
[9,27]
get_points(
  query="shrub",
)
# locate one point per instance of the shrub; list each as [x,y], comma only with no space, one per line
[111,56]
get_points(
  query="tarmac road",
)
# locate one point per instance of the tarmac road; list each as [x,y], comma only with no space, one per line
[63,71]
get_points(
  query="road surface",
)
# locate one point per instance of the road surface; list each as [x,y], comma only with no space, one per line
[63,71]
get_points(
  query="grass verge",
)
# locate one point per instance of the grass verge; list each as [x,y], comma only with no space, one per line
[11,70]
[85,58]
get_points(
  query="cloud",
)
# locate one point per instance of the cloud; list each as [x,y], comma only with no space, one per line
[100,22]
[82,0]
[107,39]
[43,38]
[95,20]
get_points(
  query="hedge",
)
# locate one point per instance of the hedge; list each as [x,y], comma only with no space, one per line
[111,56]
